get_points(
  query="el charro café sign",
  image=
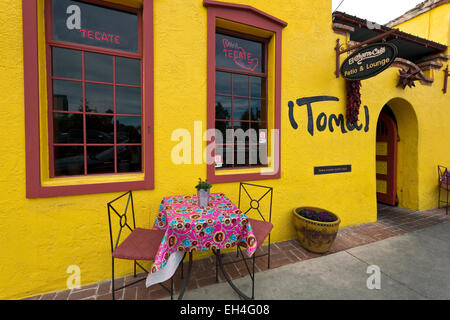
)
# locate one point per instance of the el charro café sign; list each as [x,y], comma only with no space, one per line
[369,61]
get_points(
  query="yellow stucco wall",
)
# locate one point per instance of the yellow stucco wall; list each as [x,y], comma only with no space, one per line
[40,238]
[433,25]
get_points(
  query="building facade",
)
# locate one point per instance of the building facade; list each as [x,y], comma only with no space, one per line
[100,97]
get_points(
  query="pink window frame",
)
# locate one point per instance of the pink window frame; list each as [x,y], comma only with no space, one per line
[34,187]
[246,15]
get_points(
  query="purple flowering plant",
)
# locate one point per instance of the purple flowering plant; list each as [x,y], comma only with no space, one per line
[322,216]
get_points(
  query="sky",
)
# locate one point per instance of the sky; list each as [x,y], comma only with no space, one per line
[379,11]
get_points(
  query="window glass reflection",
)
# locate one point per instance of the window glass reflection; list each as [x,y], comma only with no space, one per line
[223,83]
[68,161]
[223,107]
[100,26]
[128,129]
[66,63]
[240,109]
[100,159]
[128,71]
[225,154]
[256,87]
[67,95]
[128,100]
[256,110]
[99,129]
[98,67]
[238,53]
[240,85]
[222,126]
[129,159]
[99,98]
[67,128]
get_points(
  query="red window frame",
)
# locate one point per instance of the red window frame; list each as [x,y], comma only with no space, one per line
[51,43]
[34,187]
[263,99]
[250,16]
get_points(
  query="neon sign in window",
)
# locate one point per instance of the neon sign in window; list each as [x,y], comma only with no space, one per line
[237,53]
[92,25]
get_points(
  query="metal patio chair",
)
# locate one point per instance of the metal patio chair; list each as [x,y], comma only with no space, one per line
[444,184]
[140,244]
[261,227]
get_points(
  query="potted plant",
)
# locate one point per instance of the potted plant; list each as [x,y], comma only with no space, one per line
[316,228]
[203,188]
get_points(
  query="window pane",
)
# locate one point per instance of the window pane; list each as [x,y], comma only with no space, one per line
[67,128]
[98,26]
[240,85]
[258,154]
[245,135]
[98,67]
[222,126]
[66,63]
[99,98]
[240,109]
[223,82]
[256,110]
[99,129]
[237,53]
[223,107]
[100,159]
[262,154]
[129,159]
[128,129]
[256,87]
[69,161]
[67,95]
[128,71]
[244,125]
[128,100]
[226,155]
[241,155]
[256,126]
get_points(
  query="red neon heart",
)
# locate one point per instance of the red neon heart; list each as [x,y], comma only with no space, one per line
[250,62]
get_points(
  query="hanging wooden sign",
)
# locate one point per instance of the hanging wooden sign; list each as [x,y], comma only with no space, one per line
[369,61]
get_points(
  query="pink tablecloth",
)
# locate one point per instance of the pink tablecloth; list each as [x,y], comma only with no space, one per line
[189,227]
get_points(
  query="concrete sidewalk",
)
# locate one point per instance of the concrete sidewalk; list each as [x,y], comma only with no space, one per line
[414,265]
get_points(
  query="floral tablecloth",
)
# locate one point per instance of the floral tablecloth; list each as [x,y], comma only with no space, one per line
[188,227]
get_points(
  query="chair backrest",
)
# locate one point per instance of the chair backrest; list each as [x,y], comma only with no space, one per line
[254,194]
[443,174]
[113,206]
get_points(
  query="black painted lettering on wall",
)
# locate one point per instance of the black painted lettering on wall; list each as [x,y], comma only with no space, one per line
[323,121]
[339,122]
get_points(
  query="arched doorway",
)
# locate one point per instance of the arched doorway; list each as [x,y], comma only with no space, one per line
[386,157]
[397,173]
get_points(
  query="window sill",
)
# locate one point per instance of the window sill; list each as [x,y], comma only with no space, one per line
[93,179]
[239,175]
[71,186]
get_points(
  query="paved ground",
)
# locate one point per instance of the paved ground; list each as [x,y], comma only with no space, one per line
[410,247]
[412,266]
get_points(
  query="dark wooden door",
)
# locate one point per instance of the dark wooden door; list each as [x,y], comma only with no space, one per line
[386,159]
